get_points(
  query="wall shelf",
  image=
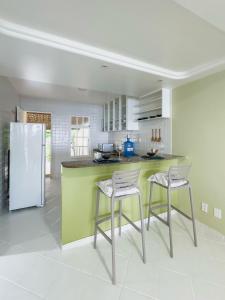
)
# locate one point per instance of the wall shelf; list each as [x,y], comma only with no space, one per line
[148,111]
[152,119]
[148,102]
[155,103]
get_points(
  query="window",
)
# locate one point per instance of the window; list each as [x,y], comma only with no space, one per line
[80,132]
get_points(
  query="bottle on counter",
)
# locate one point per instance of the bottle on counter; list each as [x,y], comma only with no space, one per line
[128,148]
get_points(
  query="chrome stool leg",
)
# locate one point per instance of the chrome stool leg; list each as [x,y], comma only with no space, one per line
[96,217]
[122,182]
[120,216]
[192,216]
[142,229]
[169,220]
[113,242]
[150,203]
[175,178]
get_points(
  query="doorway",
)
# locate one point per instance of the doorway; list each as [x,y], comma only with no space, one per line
[44,118]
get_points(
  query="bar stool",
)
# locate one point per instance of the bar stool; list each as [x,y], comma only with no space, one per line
[175,178]
[122,185]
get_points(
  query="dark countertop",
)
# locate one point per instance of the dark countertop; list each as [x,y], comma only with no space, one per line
[124,160]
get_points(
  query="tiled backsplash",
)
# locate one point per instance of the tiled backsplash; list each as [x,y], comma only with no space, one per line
[8,102]
[4,121]
[142,137]
[119,137]
[61,118]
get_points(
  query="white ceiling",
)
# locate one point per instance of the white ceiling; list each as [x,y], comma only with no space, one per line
[212,11]
[141,42]
[159,32]
[40,90]
[40,63]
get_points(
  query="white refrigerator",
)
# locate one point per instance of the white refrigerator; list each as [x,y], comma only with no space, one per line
[27,165]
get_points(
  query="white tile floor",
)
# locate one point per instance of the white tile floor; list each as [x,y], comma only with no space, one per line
[32,266]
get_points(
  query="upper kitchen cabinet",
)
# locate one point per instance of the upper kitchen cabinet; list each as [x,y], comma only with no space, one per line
[120,114]
[106,117]
[117,113]
[155,105]
[111,116]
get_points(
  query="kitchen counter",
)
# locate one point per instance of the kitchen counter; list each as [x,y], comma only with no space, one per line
[79,188]
[124,160]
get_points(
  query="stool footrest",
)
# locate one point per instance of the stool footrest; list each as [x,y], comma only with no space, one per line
[106,218]
[104,234]
[131,222]
[182,213]
[158,206]
[159,218]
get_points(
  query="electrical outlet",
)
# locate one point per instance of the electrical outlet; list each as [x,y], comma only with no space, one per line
[205,207]
[217,213]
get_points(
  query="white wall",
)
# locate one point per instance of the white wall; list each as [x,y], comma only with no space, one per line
[142,137]
[8,102]
[61,118]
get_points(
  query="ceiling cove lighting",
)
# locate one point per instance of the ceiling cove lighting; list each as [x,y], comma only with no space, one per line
[57,42]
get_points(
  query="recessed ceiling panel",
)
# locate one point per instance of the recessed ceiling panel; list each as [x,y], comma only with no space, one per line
[159,32]
[30,61]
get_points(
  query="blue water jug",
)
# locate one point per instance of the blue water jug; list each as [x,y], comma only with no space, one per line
[128,148]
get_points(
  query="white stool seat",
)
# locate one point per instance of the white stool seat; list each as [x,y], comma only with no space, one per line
[162,178]
[107,188]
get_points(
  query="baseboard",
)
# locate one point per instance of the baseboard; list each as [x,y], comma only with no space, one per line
[89,239]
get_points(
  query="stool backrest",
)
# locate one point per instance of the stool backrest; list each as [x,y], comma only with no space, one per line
[125,180]
[179,172]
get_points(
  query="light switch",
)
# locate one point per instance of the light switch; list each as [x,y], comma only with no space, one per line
[217,213]
[205,207]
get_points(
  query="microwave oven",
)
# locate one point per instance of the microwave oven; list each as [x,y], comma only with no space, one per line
[106,147]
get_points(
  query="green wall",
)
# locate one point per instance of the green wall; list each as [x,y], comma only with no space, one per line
[199,133]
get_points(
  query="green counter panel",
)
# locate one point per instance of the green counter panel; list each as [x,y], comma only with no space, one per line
[79,196]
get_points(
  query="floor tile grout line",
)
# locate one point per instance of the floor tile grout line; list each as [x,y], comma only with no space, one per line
[42,234]
[140,293]
[21,287]
[213,283]
[222,243]
[174,271]
[192,288]
[74,268]
[218,259]
[191,277]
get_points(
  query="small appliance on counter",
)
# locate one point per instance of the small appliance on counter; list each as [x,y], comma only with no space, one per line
[102,155]
[97,154]
[106,147]
[128,148]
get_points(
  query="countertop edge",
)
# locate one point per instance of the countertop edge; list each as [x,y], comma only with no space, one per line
[90,164]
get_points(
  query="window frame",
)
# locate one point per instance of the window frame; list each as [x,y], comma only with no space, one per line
[75,126]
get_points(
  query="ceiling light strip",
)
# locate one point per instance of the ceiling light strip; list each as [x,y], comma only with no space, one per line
[43,38]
